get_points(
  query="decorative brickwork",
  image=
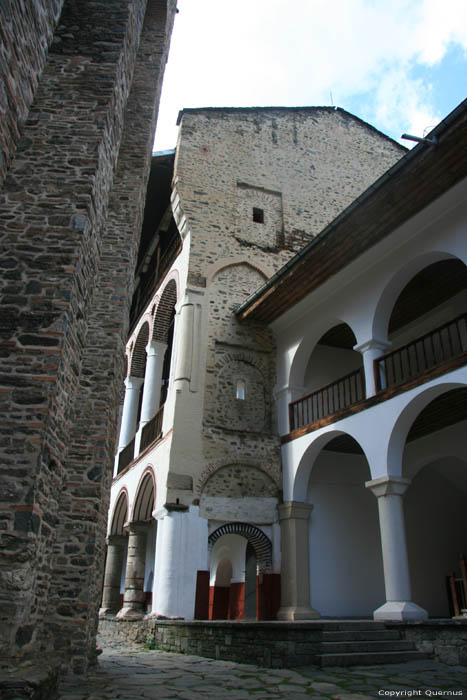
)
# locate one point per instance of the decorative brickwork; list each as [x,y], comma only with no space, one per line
[138,357]
[120,514]
[144,502]
[164,312]
[260,543]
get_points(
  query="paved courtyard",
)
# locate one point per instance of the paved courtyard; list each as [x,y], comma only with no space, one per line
[132,673]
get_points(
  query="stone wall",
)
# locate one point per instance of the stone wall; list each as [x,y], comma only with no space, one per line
[70,216]
[269,644]
[251,186]
[274,644]
[26,30]
[447,641]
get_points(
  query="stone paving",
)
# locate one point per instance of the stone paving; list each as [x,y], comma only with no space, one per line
[131,672]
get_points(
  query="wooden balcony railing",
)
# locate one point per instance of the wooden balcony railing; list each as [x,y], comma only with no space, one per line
[457,587]
[126,456]
[419,356]
[152,430]
[144,292]
[327,400]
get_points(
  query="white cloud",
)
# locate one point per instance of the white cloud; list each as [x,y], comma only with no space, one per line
[296,52]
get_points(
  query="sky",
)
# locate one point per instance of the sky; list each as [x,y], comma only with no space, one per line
[400,65]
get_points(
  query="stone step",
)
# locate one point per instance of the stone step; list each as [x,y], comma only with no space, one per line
[369,658]
[357,635]
[354,625]
[345,647]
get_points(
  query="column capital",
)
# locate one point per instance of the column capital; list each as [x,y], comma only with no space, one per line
[116,540]
[191,296]
[155,347]
[373,344]
[137,527]
[295,509]
[134,382]
[292,388]
[388,486]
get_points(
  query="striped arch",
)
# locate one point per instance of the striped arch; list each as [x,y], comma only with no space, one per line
[164,312]
[120,513]
[256,537]
[145,497]
[138,358]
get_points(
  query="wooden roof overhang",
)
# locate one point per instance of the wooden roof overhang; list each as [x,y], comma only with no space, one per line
[421,176]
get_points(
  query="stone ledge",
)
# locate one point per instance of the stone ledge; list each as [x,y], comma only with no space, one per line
[29,683]
[277,644]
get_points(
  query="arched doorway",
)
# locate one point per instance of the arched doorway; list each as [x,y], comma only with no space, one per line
[139,571]
[116,556]
[346,574]
[435,459]
[252,591]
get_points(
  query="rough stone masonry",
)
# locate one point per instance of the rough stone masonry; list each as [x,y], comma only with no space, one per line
[79,90]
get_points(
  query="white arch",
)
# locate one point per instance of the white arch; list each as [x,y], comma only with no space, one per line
[395,285]
[308,459]
[407,416]
[307,344]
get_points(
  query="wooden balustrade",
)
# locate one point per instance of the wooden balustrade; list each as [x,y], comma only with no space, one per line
[420,355]
[327,400]
[152,430]
[144,293]
[457,587]
[126,456]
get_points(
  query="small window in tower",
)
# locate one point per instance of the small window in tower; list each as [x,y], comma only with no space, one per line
[258,215]
[240,389]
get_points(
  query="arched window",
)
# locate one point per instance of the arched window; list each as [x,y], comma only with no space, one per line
[240,389]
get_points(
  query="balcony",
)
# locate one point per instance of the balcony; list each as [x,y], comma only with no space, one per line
[430,355]
[158,269]
[422,355]
[150,433]
[327,400]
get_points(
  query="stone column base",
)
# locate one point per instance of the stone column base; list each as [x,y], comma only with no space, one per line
[105,612]
[293,613]
[130,614]
[399,611]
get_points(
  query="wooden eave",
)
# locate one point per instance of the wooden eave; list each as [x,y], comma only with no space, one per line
[420,177]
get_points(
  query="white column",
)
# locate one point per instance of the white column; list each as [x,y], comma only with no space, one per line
[152,380]
[294,519]
[133,597]
[130,410]
[389,490]
[181,551]
[116,547]
[371,350]
[284,396]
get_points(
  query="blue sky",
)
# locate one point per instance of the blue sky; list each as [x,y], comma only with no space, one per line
[400,65]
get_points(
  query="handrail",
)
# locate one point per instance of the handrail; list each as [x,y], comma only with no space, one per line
[126,456]
[327,400]
[152,430]
[422,354]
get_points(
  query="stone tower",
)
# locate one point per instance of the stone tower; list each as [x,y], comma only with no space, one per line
[197,478]
[80,85]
